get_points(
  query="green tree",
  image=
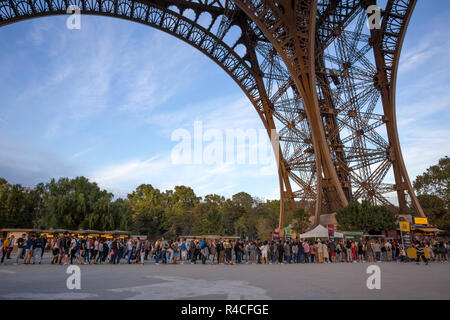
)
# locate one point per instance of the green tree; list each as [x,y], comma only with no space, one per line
[146,210]
[433,188]
[435,181]
[299,219]
[18,206]
[76,204]
[365,217]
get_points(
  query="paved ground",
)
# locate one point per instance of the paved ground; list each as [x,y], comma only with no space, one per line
[311,281]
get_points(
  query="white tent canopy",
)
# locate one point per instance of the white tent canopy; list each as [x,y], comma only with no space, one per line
[319,232]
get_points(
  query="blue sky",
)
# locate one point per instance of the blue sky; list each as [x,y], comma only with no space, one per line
[103,101]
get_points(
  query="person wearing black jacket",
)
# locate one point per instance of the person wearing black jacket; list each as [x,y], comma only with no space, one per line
[220,252]
[44,243]
[20,243]
[280,251]
[420,253]
[37,250]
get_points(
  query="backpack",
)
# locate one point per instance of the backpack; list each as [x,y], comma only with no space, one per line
[77,245]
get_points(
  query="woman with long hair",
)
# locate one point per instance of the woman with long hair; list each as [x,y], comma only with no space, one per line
[360,252]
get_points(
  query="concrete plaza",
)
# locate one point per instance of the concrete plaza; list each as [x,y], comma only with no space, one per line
[293,281]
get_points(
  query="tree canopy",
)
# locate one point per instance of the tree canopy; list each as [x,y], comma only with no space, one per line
[80,204]
[365,217]
[433,189]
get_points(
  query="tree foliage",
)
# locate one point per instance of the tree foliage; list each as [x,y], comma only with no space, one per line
[433,188]
[299,219]
[365,217]
[80,204]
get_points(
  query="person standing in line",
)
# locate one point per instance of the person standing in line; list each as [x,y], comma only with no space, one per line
[8,244]
[325,254]
[74,247]
[142,253]
[348,249]
[28,250]
[44,245]
[273,252]
[1,244]
[354,253]
[12,242]
[87,251]
[176,251]
[100,251]
[258,251]
[338,251]
[443,252]
[156,249]
[2,247]
[401,257]
[147,249]
[306,249]
[122,249]
[20,243]
[319,245]
[369,251]
[82,250]
[196,251]
[37,250]
[183,249]
[265,252]
[287,252]
[300,252]
[394,250]
[246,252]
[95,250]
[388,251]
[190,251]
[360,252]
[332,250]
[220,252]
[228,252]
[213,251]
[113,251]
[420,253]
[62,249]
[138,249]
[236,251]
[280,251]
[383,251]
[252,253]
[106,250]
[164,247]
[377,251]
[294,252]
[169,252]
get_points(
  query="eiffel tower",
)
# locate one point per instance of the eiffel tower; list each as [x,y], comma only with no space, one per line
[321,75]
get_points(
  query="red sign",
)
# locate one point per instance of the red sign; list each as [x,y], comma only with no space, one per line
[276,235]
[331,228]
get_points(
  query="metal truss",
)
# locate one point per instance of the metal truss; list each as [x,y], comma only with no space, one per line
[322,83]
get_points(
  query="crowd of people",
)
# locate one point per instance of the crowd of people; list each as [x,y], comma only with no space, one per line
[68,249]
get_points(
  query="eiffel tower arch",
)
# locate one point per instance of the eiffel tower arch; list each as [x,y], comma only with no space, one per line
[321,81]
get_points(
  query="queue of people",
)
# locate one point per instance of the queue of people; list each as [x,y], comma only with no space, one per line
[70,249]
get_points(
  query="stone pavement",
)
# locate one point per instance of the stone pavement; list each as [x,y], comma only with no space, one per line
[293,281]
